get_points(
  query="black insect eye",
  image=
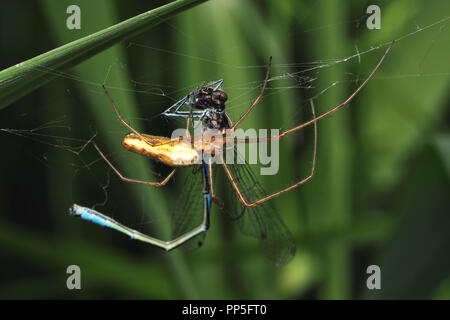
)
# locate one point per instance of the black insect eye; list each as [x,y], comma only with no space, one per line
[223,96]
[220,95]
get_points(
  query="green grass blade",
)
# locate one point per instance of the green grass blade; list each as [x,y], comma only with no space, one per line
[17,81]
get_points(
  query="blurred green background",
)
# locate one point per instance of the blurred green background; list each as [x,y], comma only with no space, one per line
[381,192]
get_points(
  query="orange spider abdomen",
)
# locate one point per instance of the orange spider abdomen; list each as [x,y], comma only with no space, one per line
[172,152]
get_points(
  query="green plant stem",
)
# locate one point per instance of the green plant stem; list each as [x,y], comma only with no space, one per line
[22,78]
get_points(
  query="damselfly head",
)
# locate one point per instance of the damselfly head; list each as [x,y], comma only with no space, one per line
[209,98]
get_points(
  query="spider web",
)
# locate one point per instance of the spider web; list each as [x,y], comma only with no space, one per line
[57,133]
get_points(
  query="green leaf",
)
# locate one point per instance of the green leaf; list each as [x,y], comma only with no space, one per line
[398,116]
[101,265]
[442,145]
[416,260]
[17,81]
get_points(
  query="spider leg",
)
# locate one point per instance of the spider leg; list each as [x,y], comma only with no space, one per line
[125,123]
[315,119]
[248,204]
[155,184]
[211,185]
[266,79]
[188,135]
[230,122]
[214,198]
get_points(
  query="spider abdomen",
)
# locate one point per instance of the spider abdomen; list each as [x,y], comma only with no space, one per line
[172,152]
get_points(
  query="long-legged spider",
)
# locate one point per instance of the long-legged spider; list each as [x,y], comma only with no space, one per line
[208,104]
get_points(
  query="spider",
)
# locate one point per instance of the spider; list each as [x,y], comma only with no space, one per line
[207,103]
[213,115]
